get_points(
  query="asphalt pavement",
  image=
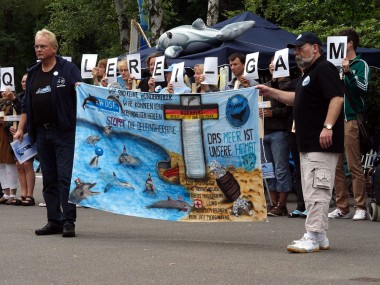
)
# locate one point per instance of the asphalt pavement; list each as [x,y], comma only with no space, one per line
[116,249]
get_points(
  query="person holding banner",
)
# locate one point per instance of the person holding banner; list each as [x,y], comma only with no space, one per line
[49,110]
[148,83]
[126,80]
[199,77]
[356,74]
[171,88]
[8,172]
[99,71]
[237,64]
[275,146]
[318,117]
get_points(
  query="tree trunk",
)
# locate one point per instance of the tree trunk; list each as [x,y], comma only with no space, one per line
[155,19]
[122,19]
[212,12]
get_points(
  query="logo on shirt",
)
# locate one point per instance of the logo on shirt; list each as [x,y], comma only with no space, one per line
[306,81]
[61,82]
[44,90]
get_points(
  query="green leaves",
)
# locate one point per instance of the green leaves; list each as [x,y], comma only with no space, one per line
[324,17]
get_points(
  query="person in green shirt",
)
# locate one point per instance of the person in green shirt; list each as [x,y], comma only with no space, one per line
[356,75]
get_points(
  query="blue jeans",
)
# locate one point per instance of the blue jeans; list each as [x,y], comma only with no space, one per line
[56,155]
[277,151]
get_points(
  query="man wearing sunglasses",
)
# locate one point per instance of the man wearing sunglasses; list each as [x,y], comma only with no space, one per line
[317,112]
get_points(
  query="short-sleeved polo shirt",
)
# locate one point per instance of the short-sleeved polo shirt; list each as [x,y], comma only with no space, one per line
[319,84]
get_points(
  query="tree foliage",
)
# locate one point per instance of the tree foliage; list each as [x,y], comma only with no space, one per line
[84,26]
[91,26]
[323,17]
[18,22]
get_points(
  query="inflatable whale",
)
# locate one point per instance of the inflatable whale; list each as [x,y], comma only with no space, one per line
[198,37]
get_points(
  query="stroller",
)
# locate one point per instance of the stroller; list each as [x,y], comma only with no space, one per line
[374,201]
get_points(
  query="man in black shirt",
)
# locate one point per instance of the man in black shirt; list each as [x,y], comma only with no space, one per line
[318,120]
[49,110]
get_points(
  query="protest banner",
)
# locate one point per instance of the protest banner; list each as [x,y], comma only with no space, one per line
[135,155]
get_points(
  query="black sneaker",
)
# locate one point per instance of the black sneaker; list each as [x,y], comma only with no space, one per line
[49,229]
[68,230]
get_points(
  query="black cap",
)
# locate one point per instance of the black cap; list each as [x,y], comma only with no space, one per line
[305,38]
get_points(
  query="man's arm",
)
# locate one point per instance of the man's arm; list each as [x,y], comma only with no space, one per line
[286,97]
[335,107]
[357,82]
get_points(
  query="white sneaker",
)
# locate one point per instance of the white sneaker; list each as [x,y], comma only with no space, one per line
[360,215]
[324,244]
[42,204]
[338,214]
[305,245]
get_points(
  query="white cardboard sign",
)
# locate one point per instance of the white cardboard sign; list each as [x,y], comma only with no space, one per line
[281,63]
[158,72]
[251,66]
[134,65]
[336,49]
[210,71]
[7,79]
[88,63]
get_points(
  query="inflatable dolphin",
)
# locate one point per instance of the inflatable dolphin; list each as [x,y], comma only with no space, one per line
[198,37]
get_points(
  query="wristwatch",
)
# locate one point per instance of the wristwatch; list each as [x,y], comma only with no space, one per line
[328,126]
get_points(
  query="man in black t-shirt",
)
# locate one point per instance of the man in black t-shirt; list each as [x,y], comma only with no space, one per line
[318,117]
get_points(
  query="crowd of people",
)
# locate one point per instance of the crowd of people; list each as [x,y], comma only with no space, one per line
[312,116]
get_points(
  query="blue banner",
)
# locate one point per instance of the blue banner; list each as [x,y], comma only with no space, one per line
[189,157]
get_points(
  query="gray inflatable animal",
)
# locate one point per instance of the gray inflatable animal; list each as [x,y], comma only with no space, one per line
[198,37]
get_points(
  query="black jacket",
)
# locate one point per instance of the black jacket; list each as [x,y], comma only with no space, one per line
[63,95]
